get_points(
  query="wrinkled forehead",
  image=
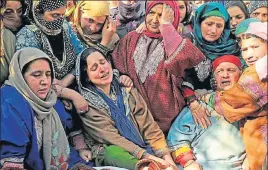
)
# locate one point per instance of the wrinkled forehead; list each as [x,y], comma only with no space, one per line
[248,40]
[226,65]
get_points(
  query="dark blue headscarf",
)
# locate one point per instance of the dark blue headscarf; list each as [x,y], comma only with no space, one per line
[118,113]
[225,44]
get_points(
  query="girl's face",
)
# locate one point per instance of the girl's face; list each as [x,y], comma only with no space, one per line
[183,9]
[261,14]
[237,16]
[253,49]
[212,28]
[99,70]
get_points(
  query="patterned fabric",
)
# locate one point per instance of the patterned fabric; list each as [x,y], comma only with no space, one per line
[32,36]
[210,147]
[203,69]
[49,27]
[131,130]
[248,99]
[253,5]
[147,65]
[264,133]
[161,89]
[39,132]
[49,5]
[258,93]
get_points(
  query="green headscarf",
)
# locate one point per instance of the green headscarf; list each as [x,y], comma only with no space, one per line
[225,44]
[243,26]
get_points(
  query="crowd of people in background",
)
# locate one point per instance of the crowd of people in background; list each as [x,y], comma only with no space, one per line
[139,85]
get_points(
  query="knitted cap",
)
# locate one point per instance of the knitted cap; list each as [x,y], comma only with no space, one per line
[258,28]
[226,58]
[257,4]
[215,13]
[243,26]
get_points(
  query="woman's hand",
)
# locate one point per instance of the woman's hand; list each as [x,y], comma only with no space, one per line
[85,154]
[193,166]
[205,98]
[126,81]
[200,114]
[108,31]
[80,103]
[167,15]
[161,161]
[141,28]
[169,159]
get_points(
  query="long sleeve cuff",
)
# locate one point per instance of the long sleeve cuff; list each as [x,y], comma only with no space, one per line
[171,37]
[78,141]
[183,158]
[188,94]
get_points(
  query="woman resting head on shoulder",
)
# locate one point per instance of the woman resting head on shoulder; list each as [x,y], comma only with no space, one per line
[118,119]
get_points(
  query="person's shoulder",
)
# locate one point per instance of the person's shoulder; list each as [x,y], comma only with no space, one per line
[8,92]
[12,97]
[27,30]
[134,32]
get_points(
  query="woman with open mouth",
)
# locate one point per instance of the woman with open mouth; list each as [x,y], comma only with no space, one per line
[212,37]
[119,128]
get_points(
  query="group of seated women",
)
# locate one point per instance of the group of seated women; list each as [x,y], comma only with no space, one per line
[139,85]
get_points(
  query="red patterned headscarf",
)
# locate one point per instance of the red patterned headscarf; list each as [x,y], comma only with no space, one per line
[173,4]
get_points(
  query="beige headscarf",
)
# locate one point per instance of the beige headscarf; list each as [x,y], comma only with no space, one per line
[55,143]
[93,9]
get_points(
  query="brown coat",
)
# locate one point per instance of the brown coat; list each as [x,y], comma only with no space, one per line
[100,128]
[248,99]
